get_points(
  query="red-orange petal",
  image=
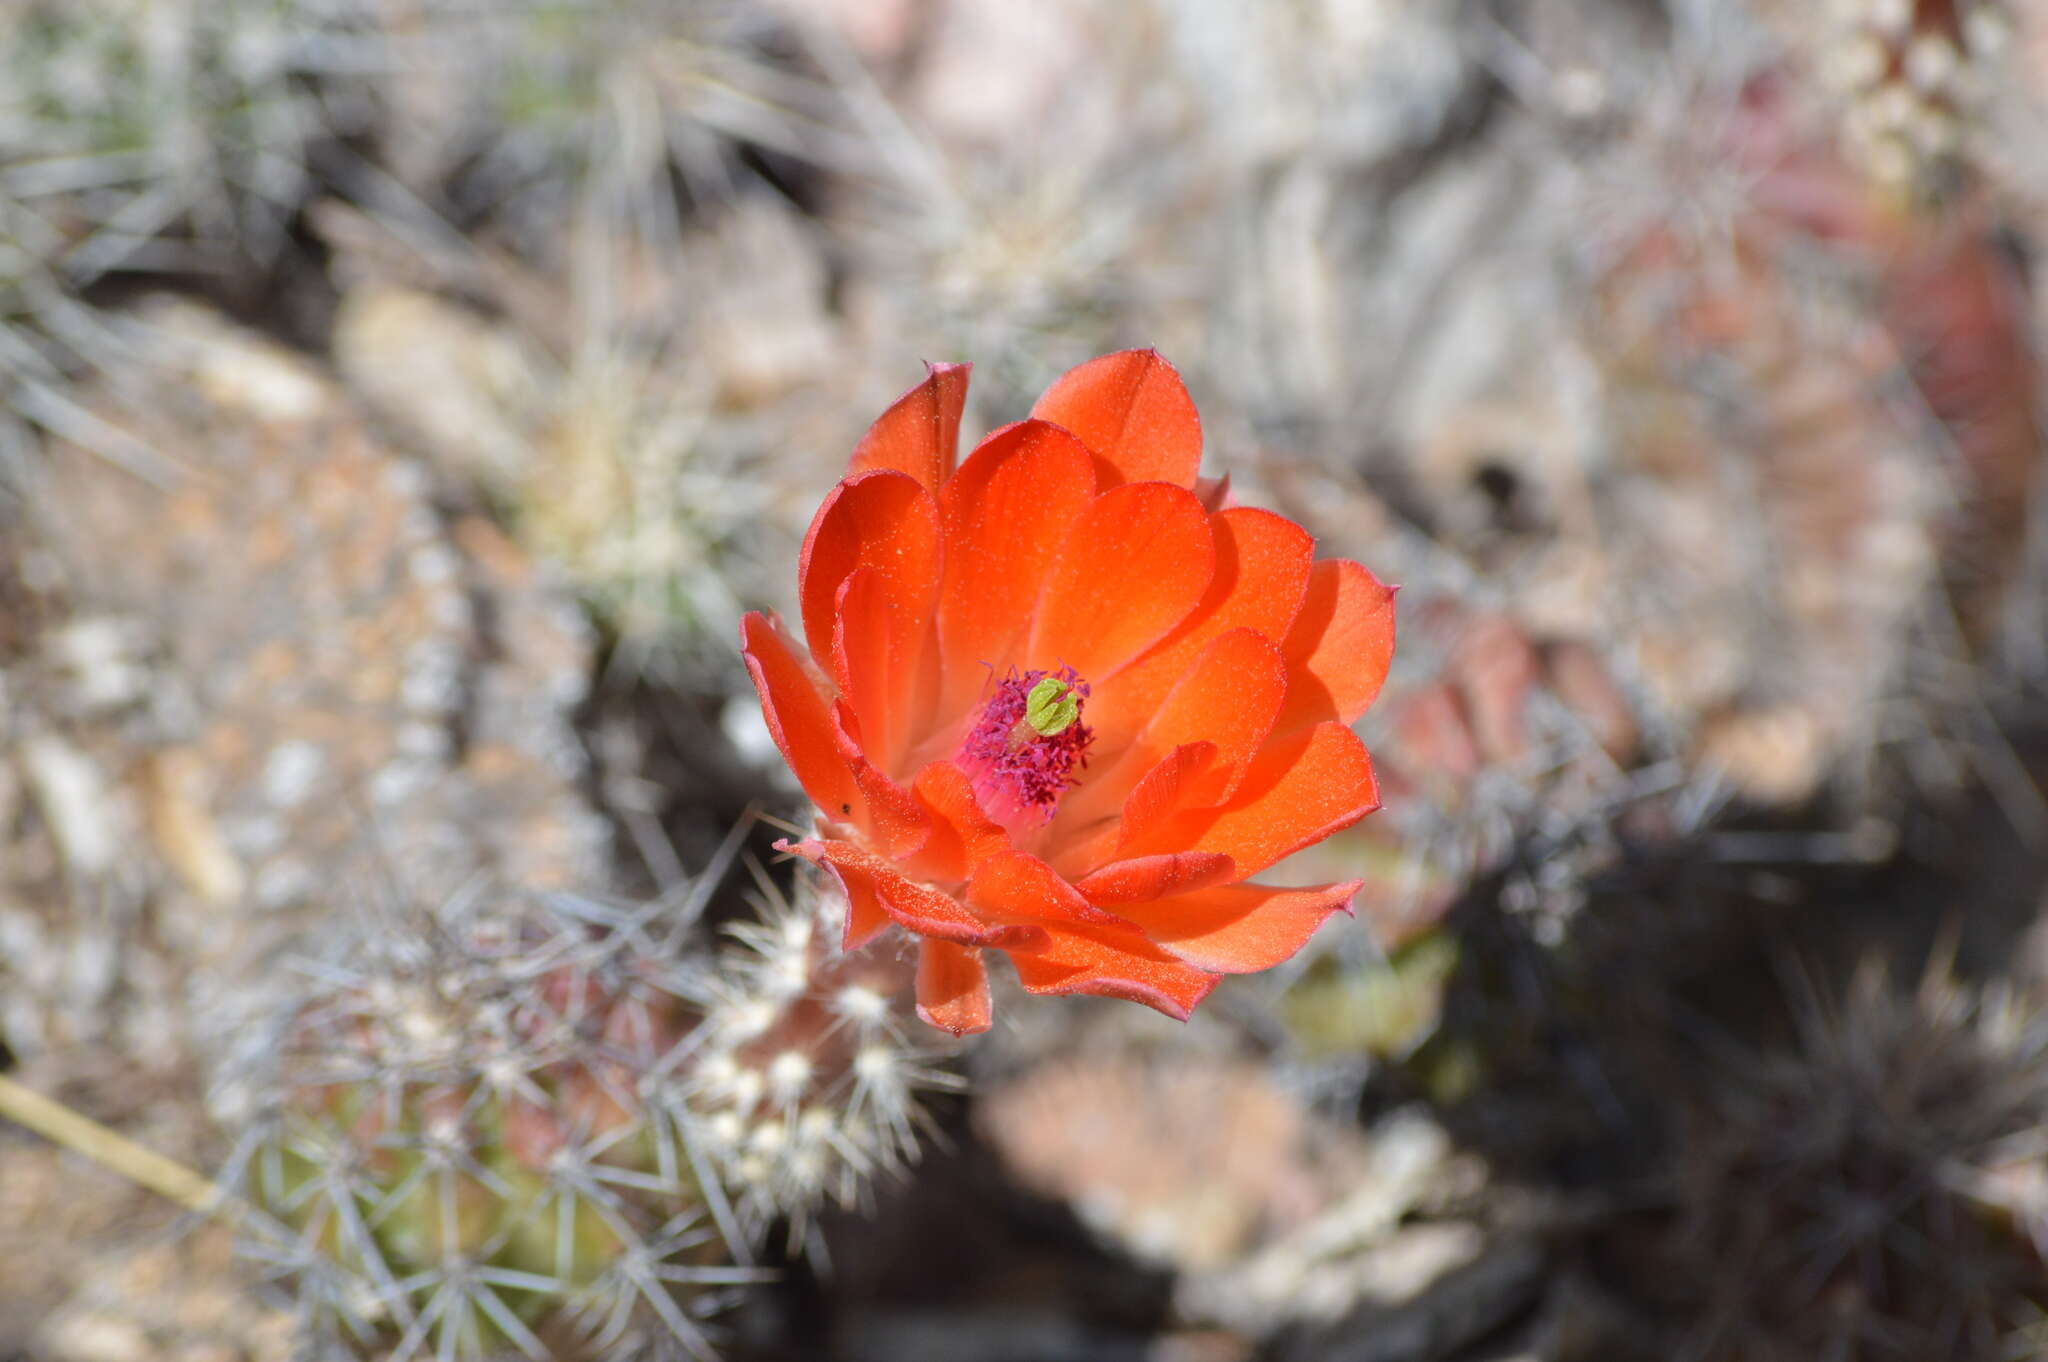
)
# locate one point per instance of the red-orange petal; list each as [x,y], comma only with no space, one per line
[883,521]
[1340,646]
[1153,803]
[962,836]
[1239,928]
[1299,790]
[1229,697]
[1263,564]
[868,581]
[1132,566]
[919,907]
[1144,878]
[1132,409]
[1018,888]
[865,916]
[896,821]
[1004,515]
[1114,963]
[952,987]
[920,432]
[799,719]
[866,661]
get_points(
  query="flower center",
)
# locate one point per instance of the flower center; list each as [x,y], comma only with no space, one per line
[1029,745]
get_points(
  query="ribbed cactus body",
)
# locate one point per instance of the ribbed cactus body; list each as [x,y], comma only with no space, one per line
[468,1155]
[534,1126]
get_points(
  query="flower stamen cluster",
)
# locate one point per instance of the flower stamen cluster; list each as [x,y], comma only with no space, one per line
[1029,747]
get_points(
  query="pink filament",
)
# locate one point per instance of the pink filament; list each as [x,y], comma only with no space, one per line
[1019,774]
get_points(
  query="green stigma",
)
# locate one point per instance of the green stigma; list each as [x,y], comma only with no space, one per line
[1051,707]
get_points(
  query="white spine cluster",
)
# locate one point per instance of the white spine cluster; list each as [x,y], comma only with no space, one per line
[1913,80]
[812,1064]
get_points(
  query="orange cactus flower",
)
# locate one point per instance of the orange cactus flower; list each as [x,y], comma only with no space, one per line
[1061,704]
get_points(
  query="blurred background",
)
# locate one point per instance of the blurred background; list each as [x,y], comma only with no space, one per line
[400,401]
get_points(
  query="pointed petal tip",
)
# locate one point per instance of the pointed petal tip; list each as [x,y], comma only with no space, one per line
[957,1029]
[918,434]
[1340,646]
[1181,1008]
[1133,410]
[952,988]
[1242,928]
[1186,1013]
